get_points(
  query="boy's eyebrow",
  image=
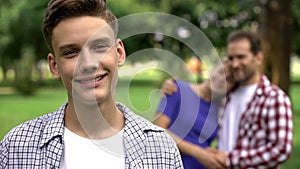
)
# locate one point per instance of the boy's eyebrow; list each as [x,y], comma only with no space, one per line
[100,39]
[66,46]
[89,42]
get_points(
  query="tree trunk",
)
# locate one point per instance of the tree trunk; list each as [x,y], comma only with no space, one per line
[275,30]
[38,64]
[4,73]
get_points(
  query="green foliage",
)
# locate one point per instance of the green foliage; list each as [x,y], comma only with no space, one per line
[122,8]
[21,28]
[17,108]
[21,23]
[215,19]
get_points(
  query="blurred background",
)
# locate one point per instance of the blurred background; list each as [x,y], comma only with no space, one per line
[27,89]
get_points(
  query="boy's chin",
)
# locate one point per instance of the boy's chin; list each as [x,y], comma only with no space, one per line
[89,98]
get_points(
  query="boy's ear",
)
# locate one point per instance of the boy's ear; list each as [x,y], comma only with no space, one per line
[121,52]
[53,66]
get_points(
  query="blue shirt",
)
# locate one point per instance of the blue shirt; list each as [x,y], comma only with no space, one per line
[192,119]
[39,143]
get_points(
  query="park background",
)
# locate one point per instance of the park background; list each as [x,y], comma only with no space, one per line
[27,89]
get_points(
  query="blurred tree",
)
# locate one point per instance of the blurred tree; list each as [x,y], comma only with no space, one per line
[21,26]
[276,35]
[217,18]
[6,15]
[296,27]
[124,8]
[23,81]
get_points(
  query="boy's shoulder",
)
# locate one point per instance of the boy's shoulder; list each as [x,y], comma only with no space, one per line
[35,129]
[142,136]
[139,128]
[136,122]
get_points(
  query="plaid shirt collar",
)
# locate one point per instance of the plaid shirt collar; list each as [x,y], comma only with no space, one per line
[262,88]
[135,120]
[55,126]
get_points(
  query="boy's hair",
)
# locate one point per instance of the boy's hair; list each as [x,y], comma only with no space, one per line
[251,37]
[59,10]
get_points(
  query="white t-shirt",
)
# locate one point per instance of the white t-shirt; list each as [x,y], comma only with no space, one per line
[82,153]
[233,112]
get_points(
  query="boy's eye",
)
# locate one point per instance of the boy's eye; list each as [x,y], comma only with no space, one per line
[70,53]
[100,48]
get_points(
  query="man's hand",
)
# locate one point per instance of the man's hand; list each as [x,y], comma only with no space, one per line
[169,87]
[221,157]
[213,159]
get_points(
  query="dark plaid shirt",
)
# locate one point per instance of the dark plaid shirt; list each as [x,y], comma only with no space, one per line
[39,144]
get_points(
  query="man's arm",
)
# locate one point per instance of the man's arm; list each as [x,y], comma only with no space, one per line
[205,157]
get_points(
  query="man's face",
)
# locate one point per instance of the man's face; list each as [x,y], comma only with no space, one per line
[242,61]
[86,57]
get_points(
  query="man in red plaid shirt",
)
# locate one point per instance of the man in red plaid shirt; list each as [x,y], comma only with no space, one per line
[256,128]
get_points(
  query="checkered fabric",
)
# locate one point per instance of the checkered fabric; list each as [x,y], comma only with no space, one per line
[39,144]
[265,130]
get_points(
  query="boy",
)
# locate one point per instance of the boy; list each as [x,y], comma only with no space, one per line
[90,130]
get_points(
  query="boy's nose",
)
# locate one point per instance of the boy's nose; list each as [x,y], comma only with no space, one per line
[87,63]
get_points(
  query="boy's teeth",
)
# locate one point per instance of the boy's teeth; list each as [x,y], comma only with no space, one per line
[93,80]
[99,78]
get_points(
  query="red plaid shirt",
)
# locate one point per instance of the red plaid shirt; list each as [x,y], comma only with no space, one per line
[265,130]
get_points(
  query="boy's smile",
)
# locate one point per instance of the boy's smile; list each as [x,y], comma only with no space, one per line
[91,82]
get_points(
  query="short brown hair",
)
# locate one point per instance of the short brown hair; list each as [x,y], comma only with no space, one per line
[251,37]
[59,10]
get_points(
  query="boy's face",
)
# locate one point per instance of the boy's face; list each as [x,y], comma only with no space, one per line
[86,58]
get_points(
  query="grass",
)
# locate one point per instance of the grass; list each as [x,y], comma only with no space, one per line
[15,108]
[293,162]
[142,99]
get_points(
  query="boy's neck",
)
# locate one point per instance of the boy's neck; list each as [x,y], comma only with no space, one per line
[94,121]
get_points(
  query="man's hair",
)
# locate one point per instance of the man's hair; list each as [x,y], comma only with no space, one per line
[251,37]
[59,10]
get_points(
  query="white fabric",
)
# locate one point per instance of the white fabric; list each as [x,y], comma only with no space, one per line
[233,112]
[82,153]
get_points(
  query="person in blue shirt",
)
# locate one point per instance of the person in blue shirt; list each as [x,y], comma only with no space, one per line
[190,115]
